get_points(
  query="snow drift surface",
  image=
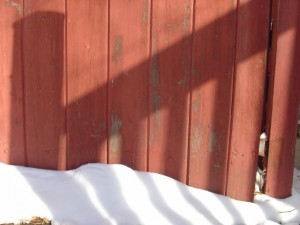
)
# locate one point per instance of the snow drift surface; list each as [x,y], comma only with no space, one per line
[96,194]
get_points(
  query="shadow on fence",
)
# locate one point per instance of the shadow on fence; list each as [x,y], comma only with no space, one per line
[60,133]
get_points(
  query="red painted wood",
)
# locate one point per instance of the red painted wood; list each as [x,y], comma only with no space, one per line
[284,98]
[87,38]
[169,87]
[44,74]
[127,93]
[250,75]
[128,82]
[11,94]
[213,54]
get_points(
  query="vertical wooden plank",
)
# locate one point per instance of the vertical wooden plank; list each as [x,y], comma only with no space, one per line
[11,93]
[169,87]
[128,82]
[250,75]
[87,39]
[213,58]
[284,98]
[44,75]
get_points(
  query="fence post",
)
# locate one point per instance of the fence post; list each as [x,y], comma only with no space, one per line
[249,84]
[283,102]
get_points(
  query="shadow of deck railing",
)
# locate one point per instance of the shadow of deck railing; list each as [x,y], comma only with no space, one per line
[175,108]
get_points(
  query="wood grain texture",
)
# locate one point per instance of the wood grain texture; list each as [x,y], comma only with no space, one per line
[12,148]
[169,87]
[87,39]
[284,102]
[129,82]
[44,74]
[212,76]
[249,86]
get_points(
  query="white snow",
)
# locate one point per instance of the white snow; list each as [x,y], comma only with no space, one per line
[96,194]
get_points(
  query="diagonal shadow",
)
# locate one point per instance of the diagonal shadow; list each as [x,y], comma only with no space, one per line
[44,110]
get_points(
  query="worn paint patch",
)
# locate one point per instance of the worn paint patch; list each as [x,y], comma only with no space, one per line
[154,66]
[155,102]
[155,99]
[15,5]
[195,75]
[154,72]
[196,140]
[184,80]
[187,16]
[196,104]
[115,134]
[217,166]
[145,12]
[171,26]
[212,142]
[185,23]
[117,55]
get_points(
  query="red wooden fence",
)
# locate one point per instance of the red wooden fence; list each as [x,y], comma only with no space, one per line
[174,86]
[284,97]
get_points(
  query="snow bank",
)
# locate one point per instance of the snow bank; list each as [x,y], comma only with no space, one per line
[114,194]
